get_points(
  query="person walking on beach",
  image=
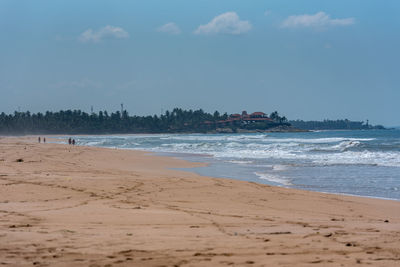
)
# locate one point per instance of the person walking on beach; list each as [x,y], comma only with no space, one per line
[39,139]
[44,139]
[73,142]
[69,141]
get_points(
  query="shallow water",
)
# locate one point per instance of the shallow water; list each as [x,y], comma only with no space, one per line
[365,163]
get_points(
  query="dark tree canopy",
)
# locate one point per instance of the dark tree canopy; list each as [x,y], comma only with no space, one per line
[78,122]
[333,125]
[175,121]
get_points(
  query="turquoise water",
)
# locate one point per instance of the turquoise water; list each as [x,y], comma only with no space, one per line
[365,163]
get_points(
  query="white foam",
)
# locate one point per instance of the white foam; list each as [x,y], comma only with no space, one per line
[240,161]
[273,178]
[318,140]
[388,159]
[243,147]
[279,167]
[92,143]
[346,145]
[220,137]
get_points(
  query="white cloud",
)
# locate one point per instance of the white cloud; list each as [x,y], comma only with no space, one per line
[318,20]
[170,28]
[106,32]
[226,23]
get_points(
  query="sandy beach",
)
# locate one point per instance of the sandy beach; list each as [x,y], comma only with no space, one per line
[84,206]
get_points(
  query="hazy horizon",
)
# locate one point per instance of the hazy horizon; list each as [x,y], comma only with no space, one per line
[309,60]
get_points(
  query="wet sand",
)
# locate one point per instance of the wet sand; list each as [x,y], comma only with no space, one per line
[82,206]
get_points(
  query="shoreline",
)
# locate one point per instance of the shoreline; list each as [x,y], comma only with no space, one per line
[64,205]
[166,154]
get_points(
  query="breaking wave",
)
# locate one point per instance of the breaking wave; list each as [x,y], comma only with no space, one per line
[354,162]
[245,147]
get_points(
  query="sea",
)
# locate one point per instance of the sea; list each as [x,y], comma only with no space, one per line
[363,163]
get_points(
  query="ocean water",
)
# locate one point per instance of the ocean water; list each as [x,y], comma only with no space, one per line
[364,163]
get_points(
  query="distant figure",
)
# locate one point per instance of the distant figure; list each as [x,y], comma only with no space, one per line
[44,139]
[69,141]
[73,142]
[39,139]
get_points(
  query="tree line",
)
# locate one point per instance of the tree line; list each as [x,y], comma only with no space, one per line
[175,121]
[333,125]
[79,122]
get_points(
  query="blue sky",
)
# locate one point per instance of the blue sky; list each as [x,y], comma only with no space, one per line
[308,59]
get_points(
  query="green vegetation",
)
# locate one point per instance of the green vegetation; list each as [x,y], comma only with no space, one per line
[175,121]
[78,122]
[333,125]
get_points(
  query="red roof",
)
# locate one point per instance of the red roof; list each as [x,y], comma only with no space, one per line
[257,114]
[257,119]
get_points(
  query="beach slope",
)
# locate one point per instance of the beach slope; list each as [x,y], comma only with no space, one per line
[83,206]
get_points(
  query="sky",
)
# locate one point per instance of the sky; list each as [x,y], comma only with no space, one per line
[308,59]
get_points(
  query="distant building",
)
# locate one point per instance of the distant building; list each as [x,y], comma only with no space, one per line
[244,118]
[235,117]
[258,115]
